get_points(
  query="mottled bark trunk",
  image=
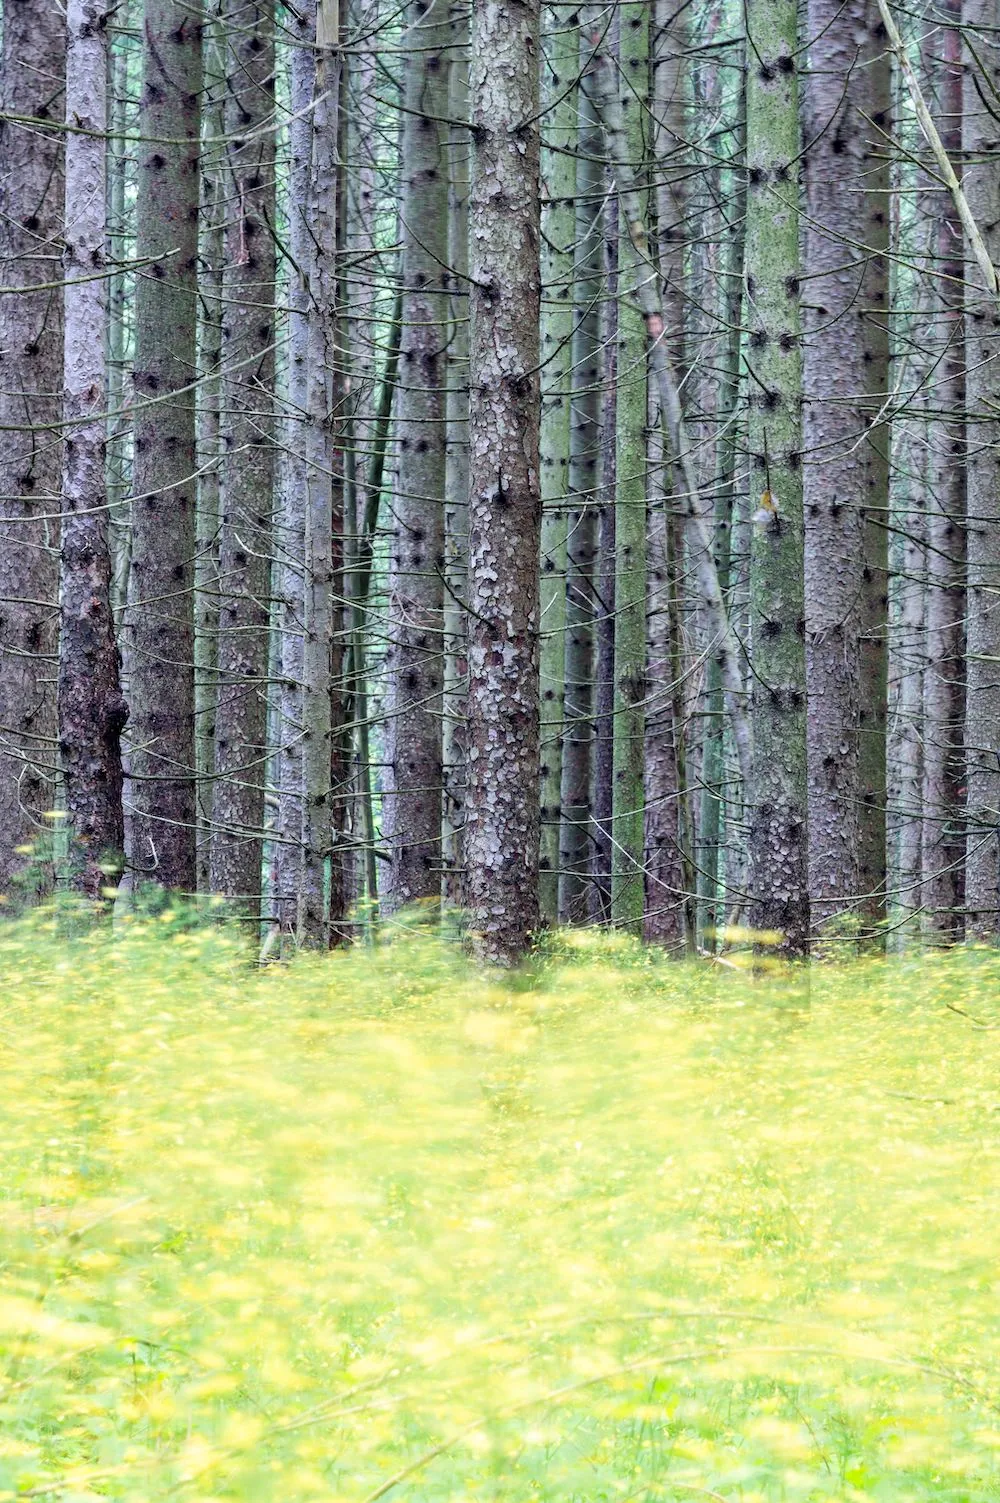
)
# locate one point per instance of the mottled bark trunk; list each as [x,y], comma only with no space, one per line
[778,842]
[982,692]
[32,66]
[411,792]
[159,621]
[248,455]
[843,317]
[942,837]
[456,525]
[91,708]
[576,788]
[604,687]
[558,256]
[908,664]
[627,885]
[501,840]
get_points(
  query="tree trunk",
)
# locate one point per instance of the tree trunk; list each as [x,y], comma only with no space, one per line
[604,688]
[32,66]
[982,392]
[411,794]
[778,842]
[248,455]
[501,839]
[627,887]
[843,317]
[159,633]
[558,317]
[92,710]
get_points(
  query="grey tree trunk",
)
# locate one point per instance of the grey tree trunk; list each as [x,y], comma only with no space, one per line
[778,878]
[558,255]
[604,686]
[502,825]
[248,455]
[845,235]
[982,393]
[159,622]
[32,66]
[91,708]
[411,793]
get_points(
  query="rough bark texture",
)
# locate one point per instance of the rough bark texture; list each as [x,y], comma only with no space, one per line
[778,843]
[411,793]
[575,836]
[501,843]
[248,455]
[982,393]
[942,838]
[92,710]
[845,229]
[627,885]
[159,636]
[32,67]
[604,687]
[558,256]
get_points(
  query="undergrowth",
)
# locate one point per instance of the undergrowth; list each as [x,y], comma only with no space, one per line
[374,1226]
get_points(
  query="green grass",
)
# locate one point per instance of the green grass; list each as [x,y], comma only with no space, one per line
[627,1229]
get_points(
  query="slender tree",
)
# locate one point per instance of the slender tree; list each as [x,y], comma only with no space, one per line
[248,452]
[92,711]
[501,840]
[778,842]
[32,69]
[159,633]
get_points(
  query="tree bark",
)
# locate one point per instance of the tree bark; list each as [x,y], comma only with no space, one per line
[92,711]
[412,780]
[501,840]
[248,455]
[778,843]
[159,631]
[32,69]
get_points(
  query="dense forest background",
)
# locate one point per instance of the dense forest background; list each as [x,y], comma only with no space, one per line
[542,459]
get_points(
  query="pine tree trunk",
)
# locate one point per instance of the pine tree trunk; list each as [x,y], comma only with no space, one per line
[248,456]
[627,887]
[604,687]
[843,316]
[502,825]
[778,842]
[32,65]
[411,794]
[575,838]
[91,708]
[159,632]
[558,256]
[982,692]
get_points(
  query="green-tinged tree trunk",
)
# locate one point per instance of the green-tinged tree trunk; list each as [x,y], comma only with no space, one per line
[581,545]
[843,475]
[248,455]
[604,601]
[627,882]
[411,793]
[502,824]
[91,708]
[562,53]
[778,842]
[31,367]
[159,620]
[982,393]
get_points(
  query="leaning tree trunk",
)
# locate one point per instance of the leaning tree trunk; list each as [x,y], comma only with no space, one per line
[844,319]
[778,843]
[248,455]
[558,255]
[411,794]
[92,710]
[501,835]
[982,393]
[159,637]
[31,356]
[627,877]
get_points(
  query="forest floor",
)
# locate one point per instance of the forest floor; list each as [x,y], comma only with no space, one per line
[373,1226]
